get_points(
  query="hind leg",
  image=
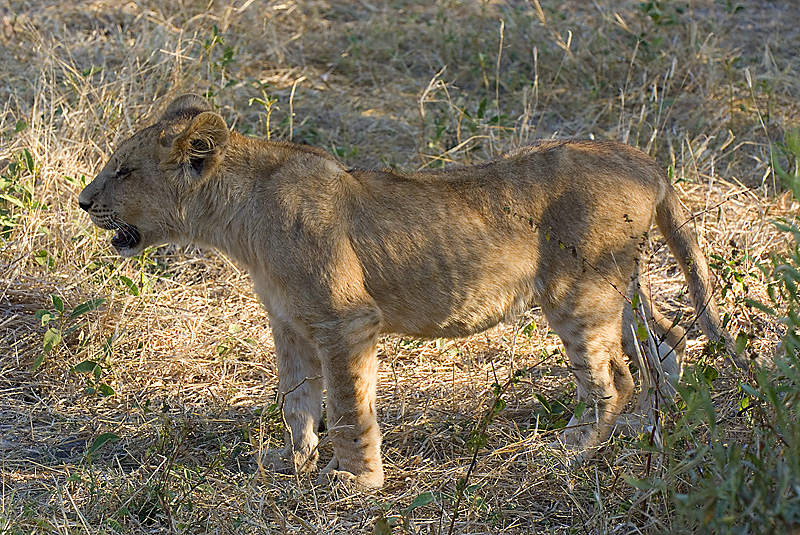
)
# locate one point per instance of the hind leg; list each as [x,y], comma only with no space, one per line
[661,355]
[591,334]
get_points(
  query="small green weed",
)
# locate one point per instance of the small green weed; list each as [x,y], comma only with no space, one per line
[553,414]
[790,151]
[92,370]
[746,481]
[61,323]
[218,57]
[225,346]
[385,523]
[17,191]
[269,104]
[477,440]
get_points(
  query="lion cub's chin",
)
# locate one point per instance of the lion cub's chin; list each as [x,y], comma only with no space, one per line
[129,252]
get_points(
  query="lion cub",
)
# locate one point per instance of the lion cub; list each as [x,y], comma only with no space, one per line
[340,257]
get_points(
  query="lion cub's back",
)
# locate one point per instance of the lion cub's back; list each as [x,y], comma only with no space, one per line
[453,252]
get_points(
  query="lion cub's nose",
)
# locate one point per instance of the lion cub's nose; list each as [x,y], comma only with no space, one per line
[85,205]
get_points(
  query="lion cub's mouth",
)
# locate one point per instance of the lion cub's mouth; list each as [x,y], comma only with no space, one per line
[126,237]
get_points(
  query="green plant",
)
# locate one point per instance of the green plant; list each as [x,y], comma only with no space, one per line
[269,104]
[17,191]
[92,370]
[742,474]
[790,150]
[233,340]
[86,473]
[553,414]
[478,439]
[662,12]
[385,523]
[60,323]
[219,57]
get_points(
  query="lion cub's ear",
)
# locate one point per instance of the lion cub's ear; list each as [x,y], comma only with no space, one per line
[201,144]
[185,106]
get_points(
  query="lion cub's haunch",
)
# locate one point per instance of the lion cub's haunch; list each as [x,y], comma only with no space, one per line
[340,257]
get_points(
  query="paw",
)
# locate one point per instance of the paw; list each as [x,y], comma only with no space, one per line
[638,427]
[577,442]
[367,481]
[289,462]
[273,460]
[568,455]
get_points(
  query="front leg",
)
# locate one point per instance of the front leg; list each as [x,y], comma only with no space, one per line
[300,396]
[349,358]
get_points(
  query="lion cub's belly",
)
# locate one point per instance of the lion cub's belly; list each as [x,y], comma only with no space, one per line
[440,311]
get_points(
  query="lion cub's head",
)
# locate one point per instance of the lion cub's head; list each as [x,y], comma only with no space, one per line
[138,193]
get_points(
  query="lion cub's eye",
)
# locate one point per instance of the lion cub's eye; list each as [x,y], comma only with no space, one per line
[123,171]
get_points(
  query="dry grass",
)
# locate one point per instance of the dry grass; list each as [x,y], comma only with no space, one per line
[705,88]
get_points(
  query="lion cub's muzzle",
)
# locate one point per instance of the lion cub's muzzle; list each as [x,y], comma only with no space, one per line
[125,238]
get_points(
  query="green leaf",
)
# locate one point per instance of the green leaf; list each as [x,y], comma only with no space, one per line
[499,405]
[744,403]
[423,499]
[752,392]
[88,306]
[12,200]
[37,362]
[482,107]
[132,288]
[102,439]
[29,165]
[20,126]
[476,441]
[709,372]
[641,332]
[472,488]
[557,407]
[58,303]
[544,402]
[640,484]
[45,316]
[105,390]
[382,527]
[51,339]
[87,366]
[741,342]
[43,258]
[760,306]
[72,328]
[579,408]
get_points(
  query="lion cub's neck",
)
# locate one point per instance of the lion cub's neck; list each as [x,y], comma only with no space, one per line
[278,181]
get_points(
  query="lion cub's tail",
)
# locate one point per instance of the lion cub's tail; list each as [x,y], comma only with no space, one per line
[675,225]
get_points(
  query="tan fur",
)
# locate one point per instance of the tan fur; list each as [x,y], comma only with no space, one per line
[340,257]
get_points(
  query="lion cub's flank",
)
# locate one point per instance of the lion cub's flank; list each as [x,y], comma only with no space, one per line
[340,257]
